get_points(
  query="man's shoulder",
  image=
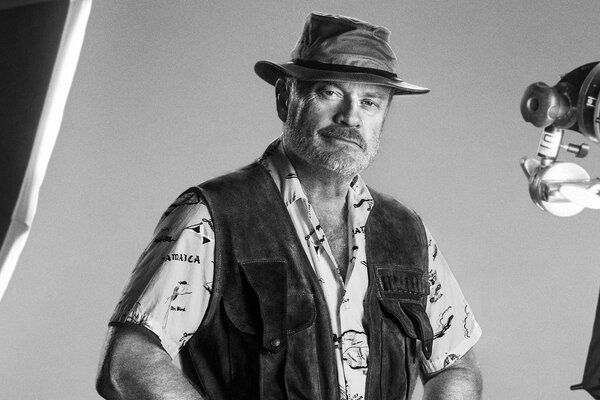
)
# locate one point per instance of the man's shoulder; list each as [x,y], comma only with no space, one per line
[233,179]
[239,191]
[197,198]
[190,197]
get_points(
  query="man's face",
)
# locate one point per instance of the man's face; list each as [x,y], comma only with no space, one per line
[336,125]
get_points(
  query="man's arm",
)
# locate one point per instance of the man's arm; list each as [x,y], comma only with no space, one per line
[135,366]
[460,381]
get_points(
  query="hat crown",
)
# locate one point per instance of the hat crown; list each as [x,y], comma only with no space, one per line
[339,40]
[339,48]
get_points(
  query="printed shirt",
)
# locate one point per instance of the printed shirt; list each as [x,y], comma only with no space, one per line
[170,286]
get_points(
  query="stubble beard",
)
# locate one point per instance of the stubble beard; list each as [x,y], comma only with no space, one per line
[302,142]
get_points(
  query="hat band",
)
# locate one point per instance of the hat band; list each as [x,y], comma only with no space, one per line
[344,68]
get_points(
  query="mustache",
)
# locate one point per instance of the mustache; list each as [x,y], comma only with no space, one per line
[346,133]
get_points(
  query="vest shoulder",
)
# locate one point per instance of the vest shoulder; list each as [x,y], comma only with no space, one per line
[243,177]
[191,197]
[242,193]
[400,234]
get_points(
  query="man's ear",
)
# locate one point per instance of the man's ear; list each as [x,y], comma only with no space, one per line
[282,99]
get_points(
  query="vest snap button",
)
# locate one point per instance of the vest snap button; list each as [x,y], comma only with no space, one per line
[275,342]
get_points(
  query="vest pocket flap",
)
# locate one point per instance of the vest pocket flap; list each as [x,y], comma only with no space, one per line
[413,319]
[259,293]
[268,281]
[241,316]
[394,308]
[265,308]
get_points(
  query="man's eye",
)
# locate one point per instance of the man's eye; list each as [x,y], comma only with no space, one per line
[370,103]
[327,93]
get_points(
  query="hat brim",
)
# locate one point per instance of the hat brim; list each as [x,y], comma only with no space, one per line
[270,72]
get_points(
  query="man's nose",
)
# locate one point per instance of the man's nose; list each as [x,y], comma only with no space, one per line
[348,114]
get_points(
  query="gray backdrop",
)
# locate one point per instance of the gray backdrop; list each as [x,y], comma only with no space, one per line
[165,97]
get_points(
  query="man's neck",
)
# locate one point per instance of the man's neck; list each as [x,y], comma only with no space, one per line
[327,193]
[322,186]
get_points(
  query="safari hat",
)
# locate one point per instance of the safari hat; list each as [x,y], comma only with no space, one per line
[339,48]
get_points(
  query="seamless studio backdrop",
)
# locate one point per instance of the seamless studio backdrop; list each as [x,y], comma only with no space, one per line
[165,97]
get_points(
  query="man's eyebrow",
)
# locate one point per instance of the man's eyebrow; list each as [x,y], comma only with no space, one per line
[378,94]
[322,84]
[374,93]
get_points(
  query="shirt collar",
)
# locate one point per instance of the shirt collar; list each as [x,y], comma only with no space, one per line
[284,175]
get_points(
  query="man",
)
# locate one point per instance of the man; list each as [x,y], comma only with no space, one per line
[290,278]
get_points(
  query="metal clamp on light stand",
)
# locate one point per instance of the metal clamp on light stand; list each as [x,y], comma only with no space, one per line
[563,188]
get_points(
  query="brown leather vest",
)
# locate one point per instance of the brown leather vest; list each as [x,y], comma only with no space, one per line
[267,332]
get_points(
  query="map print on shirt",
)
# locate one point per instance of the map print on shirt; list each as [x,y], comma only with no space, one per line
[316,237]
[451,358]
[362,201]
[455,328]
[188,198]
[208,286]
[197,228]
[137,316]
[170,286]
[355,349]
[435,287]
[354,251]
[444,323]
[179,290]
[468,324]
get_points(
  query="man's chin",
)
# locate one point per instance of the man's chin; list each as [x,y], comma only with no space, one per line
[341,165]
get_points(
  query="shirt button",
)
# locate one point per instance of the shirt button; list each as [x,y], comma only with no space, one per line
[275,342]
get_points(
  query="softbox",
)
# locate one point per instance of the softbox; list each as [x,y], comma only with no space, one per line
[40,42]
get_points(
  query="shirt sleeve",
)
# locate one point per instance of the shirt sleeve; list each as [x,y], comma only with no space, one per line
[454,326]
[171,284]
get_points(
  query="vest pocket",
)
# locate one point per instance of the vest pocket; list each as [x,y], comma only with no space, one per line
[402,290]
[266,322]
[403,325]
[265,307]
[301,372]
[411,318]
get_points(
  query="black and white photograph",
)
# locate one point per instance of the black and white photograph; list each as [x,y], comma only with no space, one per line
[299,200]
